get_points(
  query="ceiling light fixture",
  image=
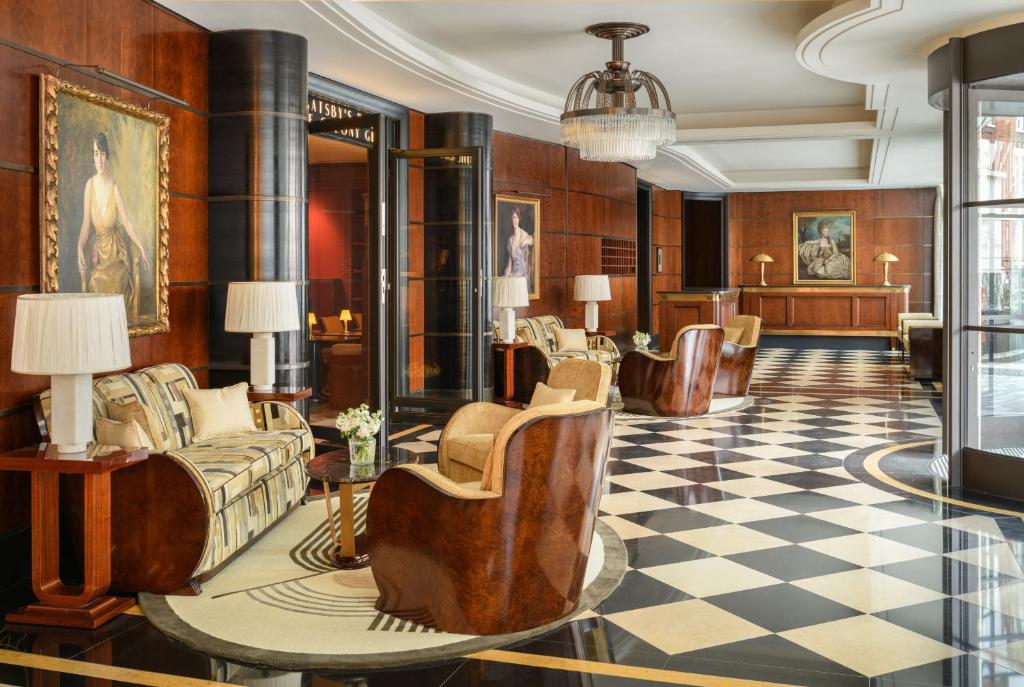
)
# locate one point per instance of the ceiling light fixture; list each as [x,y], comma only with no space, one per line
[614,129]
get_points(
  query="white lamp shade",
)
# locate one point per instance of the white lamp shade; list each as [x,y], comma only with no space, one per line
[592,287]
[69,334]
[510,292]
[261,306]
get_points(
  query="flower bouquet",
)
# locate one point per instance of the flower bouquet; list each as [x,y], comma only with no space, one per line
[641,340]
[360,427]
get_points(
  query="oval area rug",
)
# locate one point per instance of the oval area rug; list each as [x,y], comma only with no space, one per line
[282,604]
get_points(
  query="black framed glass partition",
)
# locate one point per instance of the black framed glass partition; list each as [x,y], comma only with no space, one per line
[979,83]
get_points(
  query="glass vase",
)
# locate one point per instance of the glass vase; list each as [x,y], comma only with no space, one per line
[362,451]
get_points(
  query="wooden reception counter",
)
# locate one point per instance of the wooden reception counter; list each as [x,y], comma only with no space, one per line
[678,309]
[827,310]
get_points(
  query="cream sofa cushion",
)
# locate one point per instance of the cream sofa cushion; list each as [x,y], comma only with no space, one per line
[544,395]
[216,412]
[128,434]
[570,340]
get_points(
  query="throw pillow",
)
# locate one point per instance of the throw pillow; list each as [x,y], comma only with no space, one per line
[134,410]
[123,434]
[219,411]
[544,395]
[571,339]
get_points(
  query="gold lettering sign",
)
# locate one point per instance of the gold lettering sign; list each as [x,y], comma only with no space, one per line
[319,108]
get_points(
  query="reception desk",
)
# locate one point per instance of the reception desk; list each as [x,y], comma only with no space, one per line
[678,309]
[827,310]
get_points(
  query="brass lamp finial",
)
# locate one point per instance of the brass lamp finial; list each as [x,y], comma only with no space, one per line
[762,258]
[885,259]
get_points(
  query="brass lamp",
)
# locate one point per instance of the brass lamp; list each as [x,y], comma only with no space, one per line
[885,259]
[762,258]
[346,317]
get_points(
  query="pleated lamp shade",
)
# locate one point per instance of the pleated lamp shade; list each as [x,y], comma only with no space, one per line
[510,292]
[261,306]
[592,287]
[70,334]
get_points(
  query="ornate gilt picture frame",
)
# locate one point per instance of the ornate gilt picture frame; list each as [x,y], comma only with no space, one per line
[517,240]
[103,198]
[825,247]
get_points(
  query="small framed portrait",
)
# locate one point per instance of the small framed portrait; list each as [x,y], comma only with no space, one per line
[824,247]
[517,240]
[103,200]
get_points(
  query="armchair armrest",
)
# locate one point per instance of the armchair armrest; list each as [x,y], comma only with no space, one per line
[600,342]
[271,416]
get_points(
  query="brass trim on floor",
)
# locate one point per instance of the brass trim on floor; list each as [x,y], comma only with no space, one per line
[406,432]
[102,672]
[872,465]
[665,677]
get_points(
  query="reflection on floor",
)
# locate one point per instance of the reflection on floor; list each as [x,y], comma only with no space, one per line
[766,545]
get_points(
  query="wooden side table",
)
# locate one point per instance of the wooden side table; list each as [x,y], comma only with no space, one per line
[505,360]
[284,394]
[59,604]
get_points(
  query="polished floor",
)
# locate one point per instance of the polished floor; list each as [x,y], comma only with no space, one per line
[804,540]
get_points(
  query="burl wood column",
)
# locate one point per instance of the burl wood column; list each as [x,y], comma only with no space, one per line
[60,604]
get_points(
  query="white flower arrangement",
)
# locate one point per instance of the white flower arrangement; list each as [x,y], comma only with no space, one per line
[358,423]
[641,339]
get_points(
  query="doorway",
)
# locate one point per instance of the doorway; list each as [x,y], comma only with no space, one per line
[704,241]
[340,279]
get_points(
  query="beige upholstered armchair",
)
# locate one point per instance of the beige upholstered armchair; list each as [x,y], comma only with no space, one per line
[508,554]
[468,438]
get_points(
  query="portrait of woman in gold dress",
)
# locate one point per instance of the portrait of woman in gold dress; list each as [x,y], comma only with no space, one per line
[113,264]
[104,210]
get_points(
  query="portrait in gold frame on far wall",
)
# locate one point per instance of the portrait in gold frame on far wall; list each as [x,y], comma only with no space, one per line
[103,200]
[824,247]
[517,240]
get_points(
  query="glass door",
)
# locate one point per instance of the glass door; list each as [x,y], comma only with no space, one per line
[994,322]
[436,283]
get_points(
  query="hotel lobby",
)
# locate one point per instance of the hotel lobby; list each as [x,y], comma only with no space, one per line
[562,342]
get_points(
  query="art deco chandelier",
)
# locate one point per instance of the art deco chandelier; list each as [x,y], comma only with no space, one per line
[601,116]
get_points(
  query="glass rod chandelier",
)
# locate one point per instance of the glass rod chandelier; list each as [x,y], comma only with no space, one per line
[613,128]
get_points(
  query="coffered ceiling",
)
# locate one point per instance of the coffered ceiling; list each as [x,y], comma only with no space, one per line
[771,94]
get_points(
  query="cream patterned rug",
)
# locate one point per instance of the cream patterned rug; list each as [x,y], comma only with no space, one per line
[721,405]
[282,604]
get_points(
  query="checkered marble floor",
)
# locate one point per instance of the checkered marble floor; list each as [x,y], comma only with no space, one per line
[755,553]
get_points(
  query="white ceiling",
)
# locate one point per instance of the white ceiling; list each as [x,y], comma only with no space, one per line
[771,94]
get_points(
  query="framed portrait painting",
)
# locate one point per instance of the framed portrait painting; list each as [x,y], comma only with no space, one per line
[103,200]
[824,247]
[517,240]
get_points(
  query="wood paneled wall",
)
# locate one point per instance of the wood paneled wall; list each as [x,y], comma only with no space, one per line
[580,202]
[142,42]
[898,221]
[666,234]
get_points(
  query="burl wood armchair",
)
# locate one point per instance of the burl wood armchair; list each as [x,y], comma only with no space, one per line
[680,384]
[739,349]
[509,555]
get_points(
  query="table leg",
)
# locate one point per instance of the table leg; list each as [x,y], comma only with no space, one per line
[346,553]
[61,604]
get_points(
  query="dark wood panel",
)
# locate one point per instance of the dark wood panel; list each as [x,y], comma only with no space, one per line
[56,27]
[611,180]
[103,34]
[19,208]
[823,312]
[182,55]
[138,25]
[188,168]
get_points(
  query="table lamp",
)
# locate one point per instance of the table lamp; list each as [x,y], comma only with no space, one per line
[885,259]
[762,258]
[70,336]
[509,293]
[312,321]
[346,317]
[261,308]
[591,288]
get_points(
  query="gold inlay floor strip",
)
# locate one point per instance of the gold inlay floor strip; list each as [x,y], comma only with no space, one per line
[665,677]
[405,432]
[102,672]
[872,464]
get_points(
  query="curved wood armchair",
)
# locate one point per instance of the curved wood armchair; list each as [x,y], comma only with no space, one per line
[678,385]
[509,555]
[739,350]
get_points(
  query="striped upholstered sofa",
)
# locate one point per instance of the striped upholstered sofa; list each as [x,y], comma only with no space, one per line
[540,331]
[178,517]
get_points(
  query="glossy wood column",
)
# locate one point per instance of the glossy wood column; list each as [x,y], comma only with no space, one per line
[258,197]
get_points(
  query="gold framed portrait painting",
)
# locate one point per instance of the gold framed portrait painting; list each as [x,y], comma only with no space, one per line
[103,200]
[824,247]
[517,240]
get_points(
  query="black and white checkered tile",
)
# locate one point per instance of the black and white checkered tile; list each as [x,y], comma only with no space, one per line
[754,553]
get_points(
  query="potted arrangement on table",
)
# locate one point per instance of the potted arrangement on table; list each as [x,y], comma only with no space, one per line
[641,340]
[360,427]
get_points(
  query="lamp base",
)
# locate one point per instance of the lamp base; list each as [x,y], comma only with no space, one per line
[71,412]
[261,361]
[590,316]
[507,325]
